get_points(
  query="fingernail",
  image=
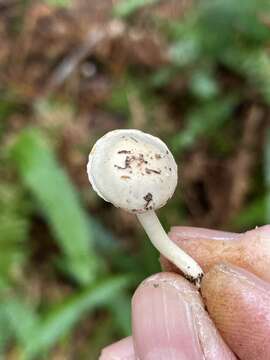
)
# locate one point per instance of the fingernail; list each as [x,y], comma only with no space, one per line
[121,350]
[163,322]
[194,233]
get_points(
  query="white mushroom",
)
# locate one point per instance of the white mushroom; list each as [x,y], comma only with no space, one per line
[136,171]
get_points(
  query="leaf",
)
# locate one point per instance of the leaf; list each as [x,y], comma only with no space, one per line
[127,7]
[14,225]
[121,309]
[14,231]
[21,319]
[60,321]
[5,330]
[58,199]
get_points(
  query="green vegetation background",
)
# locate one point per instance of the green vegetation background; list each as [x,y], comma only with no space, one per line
[196,74]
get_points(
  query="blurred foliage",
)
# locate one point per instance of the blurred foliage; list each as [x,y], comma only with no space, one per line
[59,3]
[195,73]
[61,320]
[14,225]
[59,201]
[125,8]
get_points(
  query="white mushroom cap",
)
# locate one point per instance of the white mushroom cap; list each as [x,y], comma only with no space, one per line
[132,170]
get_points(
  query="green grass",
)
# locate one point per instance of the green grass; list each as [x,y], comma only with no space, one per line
[58,200]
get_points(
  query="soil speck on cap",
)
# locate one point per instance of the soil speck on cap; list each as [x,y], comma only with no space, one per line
[149,171]
[141,159]
[124,152]
[157,156]
[148,198]
[127,163]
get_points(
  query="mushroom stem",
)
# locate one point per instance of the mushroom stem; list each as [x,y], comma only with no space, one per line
[169,249]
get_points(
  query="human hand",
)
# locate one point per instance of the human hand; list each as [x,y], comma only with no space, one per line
[169,320]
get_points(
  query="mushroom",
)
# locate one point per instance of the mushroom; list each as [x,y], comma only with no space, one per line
[136,171]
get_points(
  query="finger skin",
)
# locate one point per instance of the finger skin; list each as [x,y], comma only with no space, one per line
[239,304]
[169,322]
[121,350]
[250,250]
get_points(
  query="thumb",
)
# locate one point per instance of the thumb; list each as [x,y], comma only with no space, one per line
[170,323]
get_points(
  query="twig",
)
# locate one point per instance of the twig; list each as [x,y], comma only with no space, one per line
[244,160]
[70,63]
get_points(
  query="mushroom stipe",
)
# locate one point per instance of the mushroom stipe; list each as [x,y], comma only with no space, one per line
[136,171]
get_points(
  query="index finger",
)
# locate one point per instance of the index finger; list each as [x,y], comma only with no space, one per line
[249,250]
